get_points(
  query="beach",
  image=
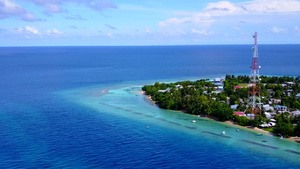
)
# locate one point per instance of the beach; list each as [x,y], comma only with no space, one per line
[231,123]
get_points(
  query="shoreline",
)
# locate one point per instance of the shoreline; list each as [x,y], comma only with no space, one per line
[148,96]
[228,122]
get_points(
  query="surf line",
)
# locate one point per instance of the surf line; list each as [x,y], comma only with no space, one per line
[259,144]
[149,116]
[292,151]
[215,134]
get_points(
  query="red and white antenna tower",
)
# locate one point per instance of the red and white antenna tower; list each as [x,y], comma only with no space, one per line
[254,100]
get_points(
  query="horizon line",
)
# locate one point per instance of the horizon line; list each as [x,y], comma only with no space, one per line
[139,45]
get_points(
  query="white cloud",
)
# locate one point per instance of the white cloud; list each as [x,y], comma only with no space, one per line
[32,32]
[196,18]
[290,30]
[174,21]
[253,7]
[53,33]
[29,30]
[225,17]
[272,6]
[51,6]
[55,6]
[224,8]
[9,9]
[27,16]
[200,32]
[97,5]
[275,29]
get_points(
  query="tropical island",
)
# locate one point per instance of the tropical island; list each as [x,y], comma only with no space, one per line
[227,99]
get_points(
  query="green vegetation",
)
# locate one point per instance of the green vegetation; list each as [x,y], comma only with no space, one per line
[241,120]
[191,97]
[276,80]
[200,97]
[244,121]
[268,129]
[284,125]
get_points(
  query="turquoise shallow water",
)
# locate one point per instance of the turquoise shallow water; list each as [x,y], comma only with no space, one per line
[127,102]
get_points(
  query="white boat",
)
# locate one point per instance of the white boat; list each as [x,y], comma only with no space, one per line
[194,121]
[223,132]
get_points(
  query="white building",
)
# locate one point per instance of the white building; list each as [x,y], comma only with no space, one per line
[264,125]
[276,101]
[268,115]
[163,91]
[271,124]
[296,113]
[179,86]
[267,107]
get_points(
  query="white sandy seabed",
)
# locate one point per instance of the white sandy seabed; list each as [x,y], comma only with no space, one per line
[128,102]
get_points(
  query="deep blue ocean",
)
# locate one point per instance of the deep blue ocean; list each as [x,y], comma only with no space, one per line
[79,107]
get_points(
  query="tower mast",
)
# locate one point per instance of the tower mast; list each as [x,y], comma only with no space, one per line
[254,100]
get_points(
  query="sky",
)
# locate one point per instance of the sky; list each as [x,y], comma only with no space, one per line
[147,22]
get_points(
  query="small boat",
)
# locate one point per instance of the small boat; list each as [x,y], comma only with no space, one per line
[237,130]
[259,134]
[147,127]
[264,140]
[223,132]
[194,121]
[281,137]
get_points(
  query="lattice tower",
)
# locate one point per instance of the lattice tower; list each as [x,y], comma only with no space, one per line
[254,99]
